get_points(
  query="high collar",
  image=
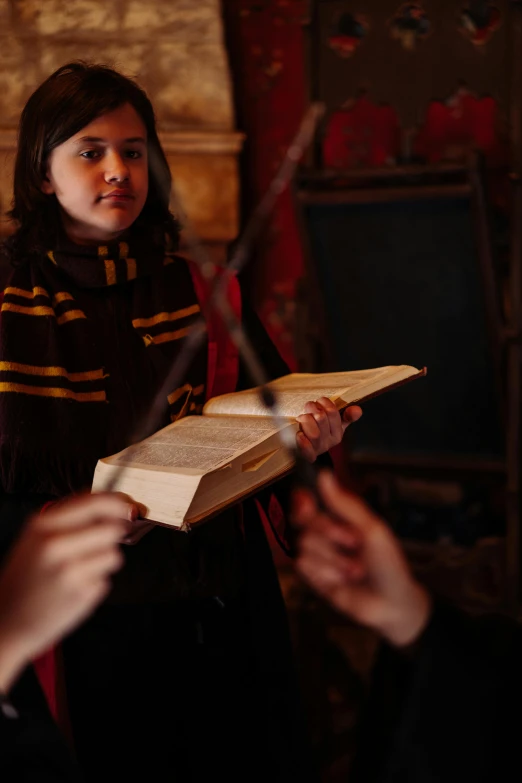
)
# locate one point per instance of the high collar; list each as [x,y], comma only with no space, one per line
[117,263]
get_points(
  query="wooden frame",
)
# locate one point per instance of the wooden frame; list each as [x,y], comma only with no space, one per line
[358,187]
[361,186]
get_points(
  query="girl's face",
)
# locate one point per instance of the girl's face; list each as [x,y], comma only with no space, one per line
[100,176]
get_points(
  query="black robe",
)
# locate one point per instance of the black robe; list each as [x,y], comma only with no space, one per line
[186,674]
[448,711]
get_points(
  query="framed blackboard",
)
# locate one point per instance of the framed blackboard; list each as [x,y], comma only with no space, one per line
[401,281]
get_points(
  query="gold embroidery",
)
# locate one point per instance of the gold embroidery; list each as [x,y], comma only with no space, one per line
[198,390]
[49,371]
[37,291]
[50,256]
[53,391]
[124,250]
[160,317]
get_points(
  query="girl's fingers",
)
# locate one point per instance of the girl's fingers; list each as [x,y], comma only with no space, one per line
[320,417]
[307,449]
[334,419]
[310,428]
[351,415]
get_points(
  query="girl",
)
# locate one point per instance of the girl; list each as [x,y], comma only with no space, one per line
[186,667]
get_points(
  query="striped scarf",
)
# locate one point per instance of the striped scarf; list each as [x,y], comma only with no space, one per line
[62,386]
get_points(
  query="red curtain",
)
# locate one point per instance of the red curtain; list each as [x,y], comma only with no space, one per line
[265,43]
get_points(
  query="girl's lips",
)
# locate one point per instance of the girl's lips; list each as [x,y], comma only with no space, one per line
[116,195]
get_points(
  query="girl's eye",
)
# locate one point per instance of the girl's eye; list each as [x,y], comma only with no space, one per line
[90,154]
[133,154]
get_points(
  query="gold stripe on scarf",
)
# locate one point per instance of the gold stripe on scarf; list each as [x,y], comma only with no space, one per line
[50,371]
[37,291]
[131,262]
[131,268]
[53,391]
[110,271]
[198,390]
[62,296]
[160,317]
[166,337]
[70,315]
[50,256]
[36,310]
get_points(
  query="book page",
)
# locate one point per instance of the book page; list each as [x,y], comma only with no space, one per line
[198,443]
[295,390]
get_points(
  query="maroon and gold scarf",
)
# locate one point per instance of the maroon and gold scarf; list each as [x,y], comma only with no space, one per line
[62,391]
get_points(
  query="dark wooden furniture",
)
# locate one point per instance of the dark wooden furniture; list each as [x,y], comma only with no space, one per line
[401,268]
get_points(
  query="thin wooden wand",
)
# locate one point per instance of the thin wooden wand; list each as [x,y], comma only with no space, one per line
[218,301]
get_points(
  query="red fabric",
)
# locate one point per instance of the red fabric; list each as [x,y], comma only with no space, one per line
[46,671]
[274,527]
[363,135]
[45,667]
[265,42]
[223,359]
[49,671]
[461,123]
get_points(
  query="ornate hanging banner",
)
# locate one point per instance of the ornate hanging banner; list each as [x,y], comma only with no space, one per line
[347,33]
[478,21]
[410,25]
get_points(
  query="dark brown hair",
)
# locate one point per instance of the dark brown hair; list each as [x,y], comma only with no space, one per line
[67,101]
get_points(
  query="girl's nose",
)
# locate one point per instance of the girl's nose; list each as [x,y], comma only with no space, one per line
[117,170]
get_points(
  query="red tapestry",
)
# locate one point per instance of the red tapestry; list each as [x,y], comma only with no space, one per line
[267,58]
[462,122]
[363,134]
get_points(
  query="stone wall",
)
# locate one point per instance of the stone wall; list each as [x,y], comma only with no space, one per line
[174,48]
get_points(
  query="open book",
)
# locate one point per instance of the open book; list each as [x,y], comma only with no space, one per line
[195,467]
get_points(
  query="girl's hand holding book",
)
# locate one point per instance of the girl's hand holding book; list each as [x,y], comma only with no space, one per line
[323,427]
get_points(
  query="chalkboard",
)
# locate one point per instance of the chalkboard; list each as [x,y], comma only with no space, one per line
[401,284]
